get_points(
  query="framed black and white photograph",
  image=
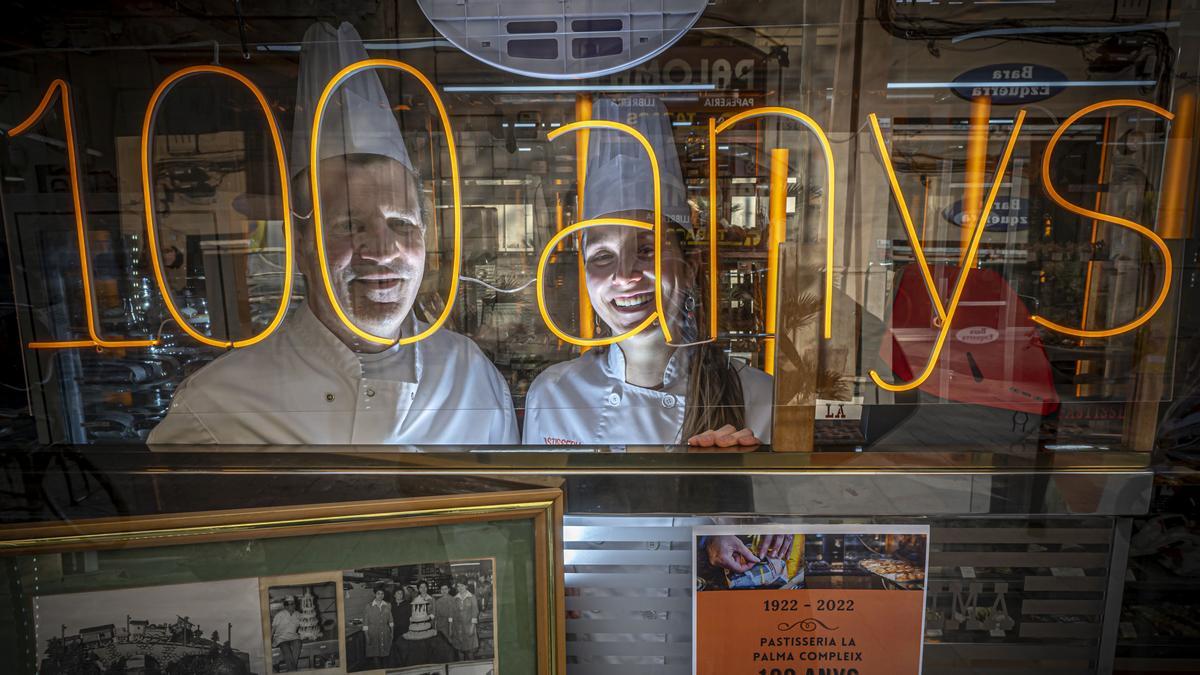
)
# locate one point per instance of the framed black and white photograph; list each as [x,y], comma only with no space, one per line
[264,591]
[302,623]
[206,628]
[433,618]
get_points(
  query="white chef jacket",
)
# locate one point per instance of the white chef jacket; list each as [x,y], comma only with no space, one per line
[302,385]
[587,401]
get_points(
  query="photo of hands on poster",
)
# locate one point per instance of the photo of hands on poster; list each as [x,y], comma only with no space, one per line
[207,628]
[435,618]
[814,560]
[809,597]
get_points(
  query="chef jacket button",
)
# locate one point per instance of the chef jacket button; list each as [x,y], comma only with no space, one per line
[614,399]
[669,401]
[370,393]
[329,396]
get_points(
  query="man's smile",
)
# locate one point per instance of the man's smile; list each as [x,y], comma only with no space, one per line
[378,282]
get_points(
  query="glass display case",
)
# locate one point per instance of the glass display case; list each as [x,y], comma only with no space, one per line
[1031,564]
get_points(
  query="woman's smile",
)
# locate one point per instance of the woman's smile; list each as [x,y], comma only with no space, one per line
[632,302]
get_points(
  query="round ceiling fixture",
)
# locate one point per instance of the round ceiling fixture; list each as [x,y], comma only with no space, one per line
[562,39]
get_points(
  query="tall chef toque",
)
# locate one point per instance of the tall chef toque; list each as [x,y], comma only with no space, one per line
[358,118]
[618,170]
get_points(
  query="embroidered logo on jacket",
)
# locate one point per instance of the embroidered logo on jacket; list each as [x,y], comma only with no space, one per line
[550,440]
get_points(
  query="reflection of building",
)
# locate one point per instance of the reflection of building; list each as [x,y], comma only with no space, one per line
[133,648]
[96,635]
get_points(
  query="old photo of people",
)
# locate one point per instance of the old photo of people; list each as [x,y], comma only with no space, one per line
[435,618]
[301,623]
[206,628]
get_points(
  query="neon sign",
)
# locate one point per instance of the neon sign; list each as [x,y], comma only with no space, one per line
[1104,217]
[148,196]
[830,200]
[945,311]
[318,115]
[62,90]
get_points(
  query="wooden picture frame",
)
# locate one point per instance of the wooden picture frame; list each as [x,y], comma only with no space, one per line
[536,512]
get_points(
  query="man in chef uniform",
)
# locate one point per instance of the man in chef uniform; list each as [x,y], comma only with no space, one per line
[314,381]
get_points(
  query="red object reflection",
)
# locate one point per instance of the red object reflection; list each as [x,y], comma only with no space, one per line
[993,356]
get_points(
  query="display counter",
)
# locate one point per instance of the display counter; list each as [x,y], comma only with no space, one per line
[1028,557]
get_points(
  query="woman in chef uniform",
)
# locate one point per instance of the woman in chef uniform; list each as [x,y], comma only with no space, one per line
[644,390]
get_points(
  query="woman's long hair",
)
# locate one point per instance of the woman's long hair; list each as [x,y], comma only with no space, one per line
[714,394]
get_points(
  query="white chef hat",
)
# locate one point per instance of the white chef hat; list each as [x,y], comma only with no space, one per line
[358,117]
[618,170]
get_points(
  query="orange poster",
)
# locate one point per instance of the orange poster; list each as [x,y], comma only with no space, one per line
[809,600]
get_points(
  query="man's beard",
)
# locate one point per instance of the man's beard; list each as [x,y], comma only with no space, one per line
[379,313]
[378,318]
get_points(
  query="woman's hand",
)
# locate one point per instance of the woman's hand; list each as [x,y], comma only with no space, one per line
[728,552]
[726,437]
